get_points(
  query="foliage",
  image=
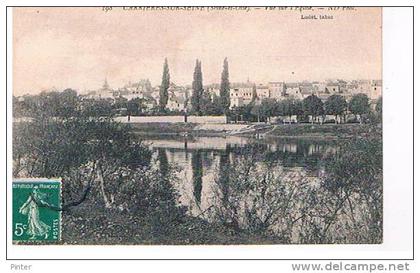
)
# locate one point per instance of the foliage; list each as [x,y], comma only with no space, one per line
[81,146]
[341,205]
[354,176]
[97,108]
[335,105]
[378,107]
[359,105]
[298,108]
[135,106]
[289,107]
[197,87]
[197,169]
[211,105]
[313,106]
[269,107]
[225,87]
[254,93]
[243,113]
[56,104]
[163,91]
[119,103]
[258,111]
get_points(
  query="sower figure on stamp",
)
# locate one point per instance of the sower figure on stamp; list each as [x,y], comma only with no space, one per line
[31,208]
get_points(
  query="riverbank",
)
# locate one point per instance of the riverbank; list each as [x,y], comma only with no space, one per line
[324,130]
[100,226]
[259,130]
[186,129]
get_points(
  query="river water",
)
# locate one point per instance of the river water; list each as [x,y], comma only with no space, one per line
[199,161]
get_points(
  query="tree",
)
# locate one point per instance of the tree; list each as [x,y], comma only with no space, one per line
[68,103]
[269,108]
[359,105]
[254,92]
[197,87]
[257,111]
[242,113]
[82,149]
[225,87]
[363,190]
[163,91]
[197,174]
[313,106]
[378,107]
[206,103]
[288,108]
[335,105]
[216,107]
[298,105]
[96,108]
[135,106]
[54,104]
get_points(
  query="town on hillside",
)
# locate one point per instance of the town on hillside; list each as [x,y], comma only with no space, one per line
[292,102]
[240,93]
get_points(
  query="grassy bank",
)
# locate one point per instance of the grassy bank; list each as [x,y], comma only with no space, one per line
[157,128]
[281,130]
[324,131]
[98,226]
[191,129]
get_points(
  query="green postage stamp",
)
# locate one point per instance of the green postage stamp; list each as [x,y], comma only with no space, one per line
[36,210]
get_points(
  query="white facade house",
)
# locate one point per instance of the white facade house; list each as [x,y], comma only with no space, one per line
[240,96]
[263,92]
[277,90]
[176,103]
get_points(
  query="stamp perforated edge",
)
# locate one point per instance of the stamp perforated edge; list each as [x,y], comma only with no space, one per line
[42,180]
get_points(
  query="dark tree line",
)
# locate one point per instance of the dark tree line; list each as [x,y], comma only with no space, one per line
[68,103]
[312,108]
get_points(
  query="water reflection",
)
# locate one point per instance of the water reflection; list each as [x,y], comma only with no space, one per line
[280,186]
[197,173]
[204,160]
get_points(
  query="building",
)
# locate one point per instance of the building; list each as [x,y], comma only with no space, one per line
[141,89]
[306,91]
[294,92]
[176,103]
[240,96]
[332,89]
[277,90]
[105,92]
[214,92]
[375,89]
[372,88]
[263,92]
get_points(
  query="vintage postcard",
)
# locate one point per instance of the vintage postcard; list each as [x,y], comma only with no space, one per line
[197,126]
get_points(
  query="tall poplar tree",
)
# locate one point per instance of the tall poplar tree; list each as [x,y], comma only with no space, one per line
[197,86]
[163,91]
[225,87]
[254,93]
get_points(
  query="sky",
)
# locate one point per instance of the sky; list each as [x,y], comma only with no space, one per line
[79,47]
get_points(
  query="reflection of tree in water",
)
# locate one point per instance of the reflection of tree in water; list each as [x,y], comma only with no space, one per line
[224,167]
[299,153]
[339,206]
[207,158]
[166,211]
[163,163]
[197,173]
